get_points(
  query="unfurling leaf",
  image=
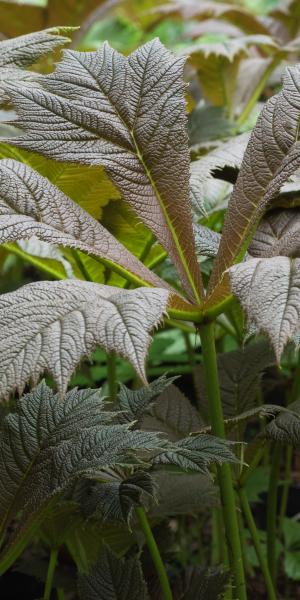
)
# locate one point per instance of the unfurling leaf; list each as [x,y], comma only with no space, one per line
[269,292]
[113,579]
[23,51]
[51,326]
[285,428]
[31,206]
[127,114]
[197,453]
[272,155]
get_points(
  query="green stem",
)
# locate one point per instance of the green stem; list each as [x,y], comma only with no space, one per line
[224,471]
[285,487]
[60,594]
[259,552]
[50,574]
[272,503]
[112,376]
[155,554]
[257,91]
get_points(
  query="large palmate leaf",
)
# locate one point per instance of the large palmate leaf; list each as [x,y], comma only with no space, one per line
[269,292]
[113,579]
[227,155]
[47,444]
[278,234]
[271,157]
[23,51]
[129,116]
[31,206]
[239,374]
[50,326]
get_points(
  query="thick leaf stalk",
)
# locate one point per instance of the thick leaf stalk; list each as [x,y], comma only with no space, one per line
[224,471]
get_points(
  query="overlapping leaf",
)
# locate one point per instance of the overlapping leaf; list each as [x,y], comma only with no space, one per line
[50,326]
[135,402]
[278,234]
[271,157]
[269,292]
[197,453]
[129,116]
[113,579]
[23,51]
[31,206]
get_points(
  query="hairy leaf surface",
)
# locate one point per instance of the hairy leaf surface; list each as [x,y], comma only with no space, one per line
[269,292]
[31,206]
[207,241]
[113,579]
[271,157]
[50,326]
[285,428]
[129,116]
[197,453]
[135,402]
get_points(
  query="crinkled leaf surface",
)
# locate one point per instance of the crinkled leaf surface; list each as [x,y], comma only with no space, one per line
[23,51]
[272,155]
[207,241]
[171,413]
[285,428]
[135,402]
[197,453]
[228,154]
[50,326]
[47,444]
[202,584]
[31,206]
[269,291]
[278,234]
[129,116]
[113,578]
[239,375]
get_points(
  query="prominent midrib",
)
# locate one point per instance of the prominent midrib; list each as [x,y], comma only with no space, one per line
[167,218]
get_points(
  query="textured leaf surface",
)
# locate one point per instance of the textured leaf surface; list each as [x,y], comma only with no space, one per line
[197,453]
[271,157]
[135,402]
[285,428]
[129,116]
[239,374]
[182,493]
[229,154]
[50,326]
[202,584]
[269,292]
[207,241]
[113,579]
[31,206]
[173,414]
[47,444]
[278,234]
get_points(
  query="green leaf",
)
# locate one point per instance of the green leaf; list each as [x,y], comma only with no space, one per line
[286,427]
[183,493]
[199,583]
[72,318]
[171,413]
[207,123]
[197,453]
[135,402]
[113,579]
[138,135]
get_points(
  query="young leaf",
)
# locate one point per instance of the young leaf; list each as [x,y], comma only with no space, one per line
[271,157]
[172,413]
[197,453]
[239,374]
[228,154]
[278,234]
[115,498]
[50,326]
[269,292]
[129,116]
[113,579]
[48,444]
[285,428]
[135,402]
[31,206]
[23,51]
